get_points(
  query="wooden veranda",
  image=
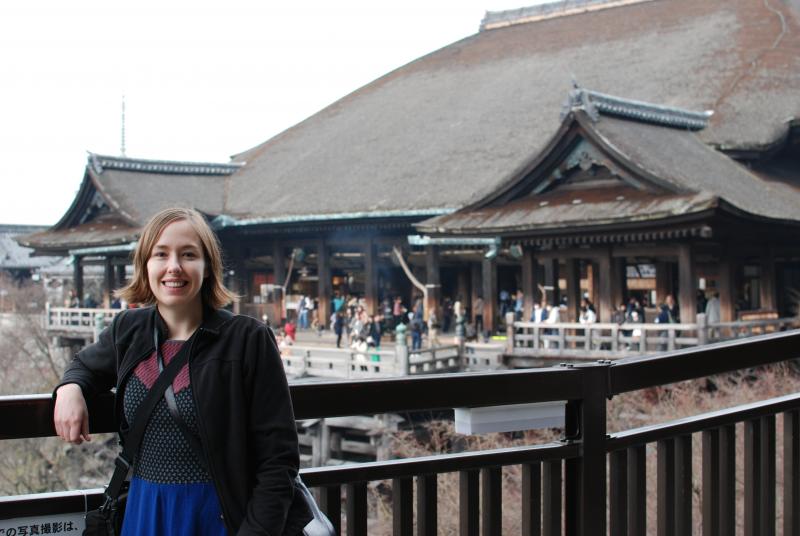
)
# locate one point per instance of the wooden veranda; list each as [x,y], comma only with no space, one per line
[589,483]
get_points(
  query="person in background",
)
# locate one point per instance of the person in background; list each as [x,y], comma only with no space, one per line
[415,325]
[338,327]
[290,330]
[519,304]
[674,310]
[587,316]
[397,311]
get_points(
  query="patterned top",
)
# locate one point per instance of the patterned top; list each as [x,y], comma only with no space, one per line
[165,455]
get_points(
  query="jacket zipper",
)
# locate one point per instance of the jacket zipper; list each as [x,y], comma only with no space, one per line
[203,441]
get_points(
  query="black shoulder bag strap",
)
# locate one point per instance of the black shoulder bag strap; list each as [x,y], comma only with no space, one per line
[122,463]
[172,406]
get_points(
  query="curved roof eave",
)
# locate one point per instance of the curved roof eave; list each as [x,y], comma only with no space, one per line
[112,203]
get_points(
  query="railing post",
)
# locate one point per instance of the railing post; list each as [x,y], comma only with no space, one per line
[702,329]
[590,487]
[510,333]
[305,359]
[401,351]
[615,339]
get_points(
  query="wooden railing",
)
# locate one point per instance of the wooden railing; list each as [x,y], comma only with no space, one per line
[70,320]
[593,482]
[343,363]
[611,340]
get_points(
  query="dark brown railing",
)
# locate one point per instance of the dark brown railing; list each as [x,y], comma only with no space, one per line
[591,484]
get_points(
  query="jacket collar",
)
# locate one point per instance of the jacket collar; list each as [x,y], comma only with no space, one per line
[214,320]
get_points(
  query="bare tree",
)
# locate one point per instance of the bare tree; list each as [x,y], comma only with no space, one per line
[31,363]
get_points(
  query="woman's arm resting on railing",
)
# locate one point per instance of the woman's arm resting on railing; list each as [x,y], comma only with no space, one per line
[71,417]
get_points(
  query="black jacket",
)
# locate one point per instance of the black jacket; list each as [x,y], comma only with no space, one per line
[244,410]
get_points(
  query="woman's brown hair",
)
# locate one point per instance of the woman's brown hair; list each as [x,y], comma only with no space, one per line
[213,291]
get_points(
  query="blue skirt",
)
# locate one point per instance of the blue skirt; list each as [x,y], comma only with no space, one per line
[172,509]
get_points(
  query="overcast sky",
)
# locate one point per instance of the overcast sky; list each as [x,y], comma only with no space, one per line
[202,80]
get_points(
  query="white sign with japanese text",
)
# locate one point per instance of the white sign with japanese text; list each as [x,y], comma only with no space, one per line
[29,526]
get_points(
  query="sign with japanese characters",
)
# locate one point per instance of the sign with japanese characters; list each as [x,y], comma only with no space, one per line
[68,524]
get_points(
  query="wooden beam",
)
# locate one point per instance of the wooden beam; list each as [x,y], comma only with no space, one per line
[665,251]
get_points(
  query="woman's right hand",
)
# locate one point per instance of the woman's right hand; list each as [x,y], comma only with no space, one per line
[71,417]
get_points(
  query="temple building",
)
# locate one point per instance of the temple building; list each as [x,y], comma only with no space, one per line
[675,170]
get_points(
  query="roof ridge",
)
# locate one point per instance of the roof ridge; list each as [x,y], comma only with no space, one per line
[100,163]
[550,10]
[595,103]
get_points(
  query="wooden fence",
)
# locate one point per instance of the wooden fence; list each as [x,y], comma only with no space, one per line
[611,340]
[344,363]
[590,483]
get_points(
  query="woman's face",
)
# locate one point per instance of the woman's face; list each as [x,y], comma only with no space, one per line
[176,267]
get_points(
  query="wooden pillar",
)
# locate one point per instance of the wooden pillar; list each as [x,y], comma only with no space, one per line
[77,278]
[371,278]
[529,283]
[663,282]
[433,282]
[727,300]
[324,296]
[489,287]
[121,278]
[573,289]
[108,282]
[239,277]
[767,281]
[687,284]
[475,287]
[278,264]
[593,281]
[619,281]
[551,278]
[462,289]
[605,283]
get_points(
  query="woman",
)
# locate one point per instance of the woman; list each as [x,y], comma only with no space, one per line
[232,394]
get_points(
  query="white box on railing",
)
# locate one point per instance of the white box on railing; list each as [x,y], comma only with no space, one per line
[510,418]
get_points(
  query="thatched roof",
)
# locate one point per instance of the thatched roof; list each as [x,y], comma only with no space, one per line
[444,130]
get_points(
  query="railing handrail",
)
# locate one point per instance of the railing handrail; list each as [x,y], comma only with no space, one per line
[31,414]
[703,421]
[632,373]
[656,325]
